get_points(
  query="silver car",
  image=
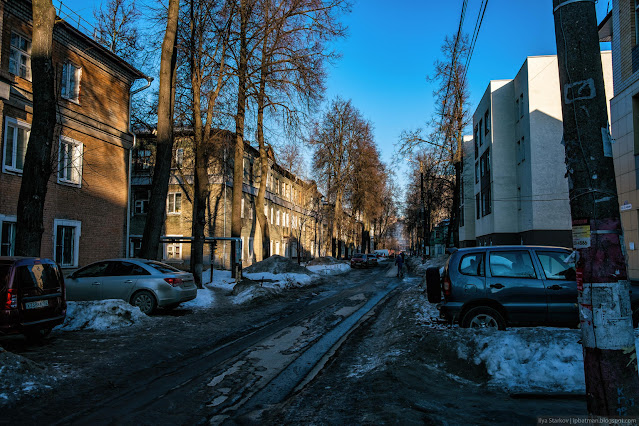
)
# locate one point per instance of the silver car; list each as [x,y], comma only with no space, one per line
[147,284]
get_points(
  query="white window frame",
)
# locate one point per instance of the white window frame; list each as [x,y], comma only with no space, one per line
[242,208]
[15,123]
[76,240]
[69,69]
[277,218]
[174,212]
[265,210]
[26,53]
[179,157]
[172,246]
[77,152]
[277,247]
[142,203]
[13,220]
[271,218]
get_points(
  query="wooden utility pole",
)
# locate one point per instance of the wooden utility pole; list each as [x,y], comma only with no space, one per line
[610,360]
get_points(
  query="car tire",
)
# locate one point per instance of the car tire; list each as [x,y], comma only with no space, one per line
[433,285]
[145,300]
[483,317]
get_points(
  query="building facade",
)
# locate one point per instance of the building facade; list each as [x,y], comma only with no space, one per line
[91,148]
[519,189]
[297,218]
[621,27]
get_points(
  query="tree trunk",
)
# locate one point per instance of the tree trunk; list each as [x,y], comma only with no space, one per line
[162,169]
[336,225]
[37,163]
[238,165]
[260,202]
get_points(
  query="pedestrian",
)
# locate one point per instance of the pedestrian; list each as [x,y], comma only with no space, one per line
[399,262]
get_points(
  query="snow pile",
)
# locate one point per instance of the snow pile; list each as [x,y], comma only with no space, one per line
[220,278]
[277,265]
[284,280]
[330,269]
[204,299]
[101,315]
[528,359]
[327,260]
[20,376]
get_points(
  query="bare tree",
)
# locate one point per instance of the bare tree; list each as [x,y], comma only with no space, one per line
[117,28]
[162,169]
[37,163]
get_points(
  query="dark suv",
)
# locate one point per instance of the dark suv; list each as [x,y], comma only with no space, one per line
[32,296]
[516,285]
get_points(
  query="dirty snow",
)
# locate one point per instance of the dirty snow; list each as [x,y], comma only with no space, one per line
[101,315]
[21,377]
[204,299]
[330,269]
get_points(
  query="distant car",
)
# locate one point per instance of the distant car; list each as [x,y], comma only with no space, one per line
[147,284]
[383,253]
[359,260]
[372,259]
[32,297]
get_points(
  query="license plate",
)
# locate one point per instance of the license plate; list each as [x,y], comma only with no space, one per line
[36,304]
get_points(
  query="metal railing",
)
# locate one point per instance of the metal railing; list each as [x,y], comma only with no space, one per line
[74,19]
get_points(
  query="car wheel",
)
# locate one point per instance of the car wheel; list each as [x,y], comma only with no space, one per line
[145,301]
[484,317]
[433,285]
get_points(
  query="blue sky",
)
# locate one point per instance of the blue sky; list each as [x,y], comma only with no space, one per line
[392,46]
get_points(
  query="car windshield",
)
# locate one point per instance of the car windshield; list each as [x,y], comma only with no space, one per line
[358,255]
[40,275]
[162,267]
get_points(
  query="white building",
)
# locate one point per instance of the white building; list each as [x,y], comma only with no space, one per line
[520,191]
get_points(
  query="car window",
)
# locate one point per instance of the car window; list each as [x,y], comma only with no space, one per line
[4,276]
[40,275]
[472,264]
[94,270]
[513,264]
[555,265]
[162,267]
[121,269]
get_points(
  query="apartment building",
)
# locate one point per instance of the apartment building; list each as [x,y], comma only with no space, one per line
[295,214]
[86,205]
[621,27]
[520,191]
[467,201]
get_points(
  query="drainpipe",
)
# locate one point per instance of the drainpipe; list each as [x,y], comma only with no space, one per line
[128,192]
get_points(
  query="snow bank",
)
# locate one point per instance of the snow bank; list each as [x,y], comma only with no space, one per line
[20,376]
[101,315]
[330,269]
[528,359]
[205,299]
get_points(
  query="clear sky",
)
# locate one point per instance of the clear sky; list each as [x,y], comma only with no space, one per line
[392,46]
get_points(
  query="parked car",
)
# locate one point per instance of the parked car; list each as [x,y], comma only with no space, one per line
[32,296]
[372,259]
[147,284]
[359,260]
[383,253]
[508,285]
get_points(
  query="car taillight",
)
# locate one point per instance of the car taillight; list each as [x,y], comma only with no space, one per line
[12,299]
[174,281]
[446,286]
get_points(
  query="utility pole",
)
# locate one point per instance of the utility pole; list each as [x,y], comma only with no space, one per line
[610,359]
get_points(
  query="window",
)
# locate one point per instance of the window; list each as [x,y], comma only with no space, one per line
[516,110]
[476,141]
[521,106]
[20,57]
[242,208]
[173,251]
[472,264]
[271,219]
[141,203]
[487,122]
[70,161]
[481,134]
[16,137]
[513,264]
[555,265]
[71,75]
[66,242]
[277,247]
[636,22]
[477,172]
[277,218]
[486,206]
[174,203]
[519,198]
[477,206]
[179,157]
[142,159]
[521,151]
[266,211]
[7,238]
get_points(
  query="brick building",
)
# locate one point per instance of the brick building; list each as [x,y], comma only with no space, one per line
[295,213]
[85,214]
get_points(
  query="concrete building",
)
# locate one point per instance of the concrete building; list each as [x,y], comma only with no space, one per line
[621,27]
[89,180]
[520,191]
[467,200]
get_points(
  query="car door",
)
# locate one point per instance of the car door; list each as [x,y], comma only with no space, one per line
[86,283]
[513,282]
[561,286]
[120,280]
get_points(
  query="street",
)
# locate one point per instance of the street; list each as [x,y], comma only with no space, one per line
[347,350]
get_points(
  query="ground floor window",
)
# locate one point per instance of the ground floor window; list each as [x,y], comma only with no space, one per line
[173,251]
[7,237]
[66,234]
